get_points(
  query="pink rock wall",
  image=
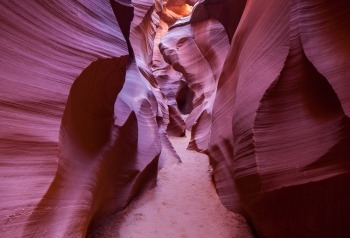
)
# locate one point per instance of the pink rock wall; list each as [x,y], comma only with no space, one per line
[208,43]
[111,139]
[280,124]
[91,179]
[277,131]
[44,47]
[170,82]
[265,83]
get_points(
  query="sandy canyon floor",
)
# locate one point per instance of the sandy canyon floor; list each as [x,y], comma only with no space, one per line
[184,204]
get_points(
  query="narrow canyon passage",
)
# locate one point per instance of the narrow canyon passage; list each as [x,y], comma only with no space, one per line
[184,204]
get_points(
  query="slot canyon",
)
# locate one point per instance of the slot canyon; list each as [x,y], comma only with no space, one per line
[175,118]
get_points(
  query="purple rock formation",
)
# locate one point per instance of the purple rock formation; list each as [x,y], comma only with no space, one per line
[112,137]
[265,84]
[280,127]
[208,43]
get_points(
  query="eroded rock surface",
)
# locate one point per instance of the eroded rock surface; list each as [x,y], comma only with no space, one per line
[280,123]
[44,48]
[112,135]
[208,43]
[263,83]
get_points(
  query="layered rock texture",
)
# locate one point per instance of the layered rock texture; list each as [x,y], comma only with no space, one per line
[90,90]
[110,139]
[279,124]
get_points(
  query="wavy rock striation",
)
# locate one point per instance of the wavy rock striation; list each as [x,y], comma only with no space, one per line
[265,84]
[112,136]
[272,114]
[93,177]
[170,81]
[208,43]
[44,48]
[280,122]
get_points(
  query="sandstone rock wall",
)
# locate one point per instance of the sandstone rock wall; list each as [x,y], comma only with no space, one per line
[262,85]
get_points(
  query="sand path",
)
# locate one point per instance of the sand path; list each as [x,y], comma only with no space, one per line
[184,204]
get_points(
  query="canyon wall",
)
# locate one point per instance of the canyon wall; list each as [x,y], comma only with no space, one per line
[280,120]
[90,92]
[44,48]
[77,146]
[276,130]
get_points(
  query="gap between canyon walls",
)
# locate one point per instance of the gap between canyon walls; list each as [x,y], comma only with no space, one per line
[183,204]
[184,193]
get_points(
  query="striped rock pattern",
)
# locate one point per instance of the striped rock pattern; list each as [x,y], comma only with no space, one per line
[208,43]
[279,135]
[44,48]
[75,149]
[87,102]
